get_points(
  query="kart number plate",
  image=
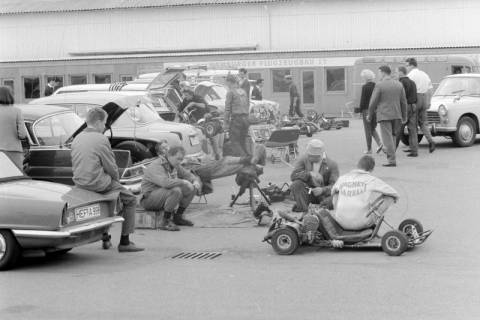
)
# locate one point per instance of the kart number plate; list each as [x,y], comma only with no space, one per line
[88,212]
[194,140]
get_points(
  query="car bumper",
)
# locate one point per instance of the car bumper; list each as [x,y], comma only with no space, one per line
[436,128]
[67,237]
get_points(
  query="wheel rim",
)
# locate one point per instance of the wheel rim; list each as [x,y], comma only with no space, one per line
[392,243]
[284,242]
[3,246]
[465,132]
[408,230]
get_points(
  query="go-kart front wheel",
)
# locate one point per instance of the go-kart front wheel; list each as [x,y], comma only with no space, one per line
[394,243]
[408,226]
[285,241]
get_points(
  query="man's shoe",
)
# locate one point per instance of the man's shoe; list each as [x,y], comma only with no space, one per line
[431,147]
[106,243]
[180,221]
[168,225]
[412,154]
[389,164]
[131,247]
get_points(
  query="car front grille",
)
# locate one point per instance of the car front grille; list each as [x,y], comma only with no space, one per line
[433,117]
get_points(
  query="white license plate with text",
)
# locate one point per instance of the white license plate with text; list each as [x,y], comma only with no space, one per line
[88,212]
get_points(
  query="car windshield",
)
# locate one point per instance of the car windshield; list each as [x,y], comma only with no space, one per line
[465,86]
[161,80]
[56,129]
[143,114]
[7,168]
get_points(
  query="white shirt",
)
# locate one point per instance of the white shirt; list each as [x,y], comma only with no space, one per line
[421,79]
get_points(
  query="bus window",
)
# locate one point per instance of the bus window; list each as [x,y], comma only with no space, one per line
[461,69]
[57,79]
[335,79]
[31,87]
[78,79]
[102,78]
[278,76]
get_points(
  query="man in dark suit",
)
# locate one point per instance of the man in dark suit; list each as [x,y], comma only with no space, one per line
[257,90]
[389,103]
[411,95]
[50,88]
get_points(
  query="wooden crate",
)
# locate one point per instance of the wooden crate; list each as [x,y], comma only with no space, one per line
[147,219]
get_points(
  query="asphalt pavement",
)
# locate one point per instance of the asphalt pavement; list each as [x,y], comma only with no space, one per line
[439,280]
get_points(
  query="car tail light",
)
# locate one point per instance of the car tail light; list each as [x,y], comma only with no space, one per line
[67,215]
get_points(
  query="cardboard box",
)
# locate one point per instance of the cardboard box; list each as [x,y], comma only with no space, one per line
[147,219]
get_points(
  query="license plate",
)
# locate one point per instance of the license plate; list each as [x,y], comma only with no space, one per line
[194,140]
[88,212]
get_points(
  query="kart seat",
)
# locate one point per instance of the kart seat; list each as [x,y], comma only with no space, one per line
[330,228]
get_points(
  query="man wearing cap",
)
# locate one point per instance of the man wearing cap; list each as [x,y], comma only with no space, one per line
[294,97]
[236,117]
[313,176]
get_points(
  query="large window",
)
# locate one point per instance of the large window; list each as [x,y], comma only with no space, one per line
[279,83]
[308,87]
[58,81]
[78,79]
[335,80]
[31,87]
[102,78]
[9,83]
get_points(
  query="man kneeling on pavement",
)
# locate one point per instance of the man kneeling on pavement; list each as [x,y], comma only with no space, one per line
[313,176]
[169,187]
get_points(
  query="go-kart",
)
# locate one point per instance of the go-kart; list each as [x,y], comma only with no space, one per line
[317,228]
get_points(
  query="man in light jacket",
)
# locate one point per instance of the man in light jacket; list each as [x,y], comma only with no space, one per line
[166,185]
[389,103]
[355,192]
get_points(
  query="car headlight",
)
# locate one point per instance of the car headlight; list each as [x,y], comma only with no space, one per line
[442,110]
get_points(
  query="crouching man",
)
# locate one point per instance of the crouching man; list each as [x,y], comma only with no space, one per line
[167,185]
[312,178]
[95,169]
[354,194]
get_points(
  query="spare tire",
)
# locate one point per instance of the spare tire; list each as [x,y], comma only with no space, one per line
[138,151]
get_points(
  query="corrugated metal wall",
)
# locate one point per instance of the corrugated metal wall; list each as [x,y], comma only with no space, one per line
[299,25]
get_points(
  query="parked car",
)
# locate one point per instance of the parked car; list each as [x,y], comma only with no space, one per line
[136,124]
[50,132]
[455,108]
[46,216]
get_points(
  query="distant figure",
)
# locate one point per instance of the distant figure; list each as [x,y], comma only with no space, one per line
[50,88]
[411,95]
[424,94]
[389,104]
[370,126]
[294,97]
[12,128]
[257,90]
[243,82]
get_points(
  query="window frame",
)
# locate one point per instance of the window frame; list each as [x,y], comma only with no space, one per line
[102,74]
[39,87]
[289,72]
[77,75]
[344,91]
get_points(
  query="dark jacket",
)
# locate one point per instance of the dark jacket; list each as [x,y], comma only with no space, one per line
[328,170]
[367,90]
[294,93]
[256,93]
[410,89]
[49,91]
[388,101]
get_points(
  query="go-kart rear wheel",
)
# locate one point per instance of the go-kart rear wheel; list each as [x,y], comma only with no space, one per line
[394,243]
[285,241]
[406,226]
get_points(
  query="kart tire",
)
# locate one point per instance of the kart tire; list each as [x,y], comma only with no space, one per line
[394,243]
[404,138]
[138,151]
[406,226]
[10,250]
[285,241]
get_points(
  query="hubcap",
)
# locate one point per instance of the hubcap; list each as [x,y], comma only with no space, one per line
[284,242]
[466,132]
[3,246]
[393,243]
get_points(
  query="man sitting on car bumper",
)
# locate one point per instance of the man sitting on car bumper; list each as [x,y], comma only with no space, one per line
[95,169]
[167,185]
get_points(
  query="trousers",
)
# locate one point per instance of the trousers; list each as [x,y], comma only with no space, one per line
[295,108]
[303,198]
[422,106]
[129,204]
[389,130]
[168,199]
[370,128]
[239,134]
